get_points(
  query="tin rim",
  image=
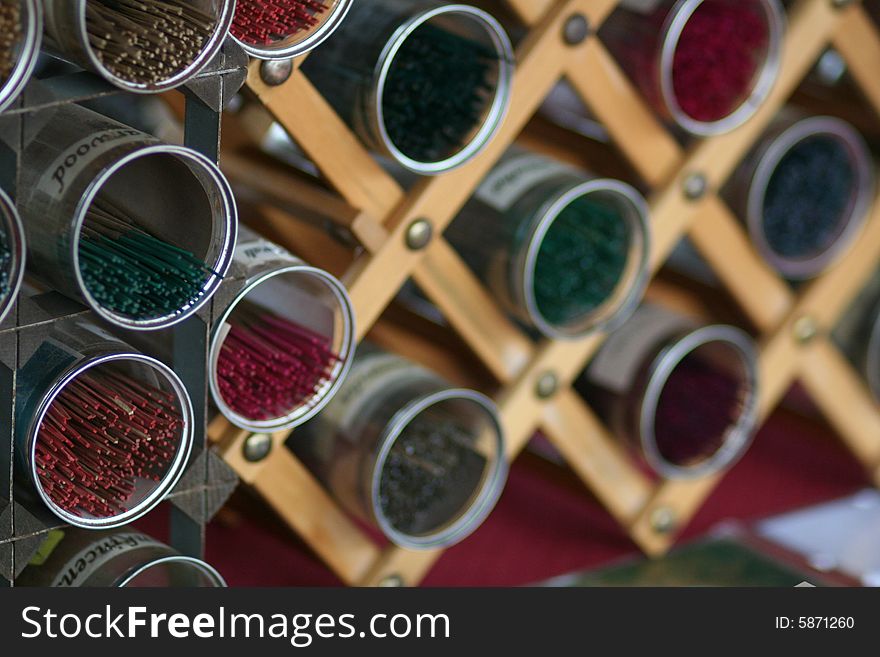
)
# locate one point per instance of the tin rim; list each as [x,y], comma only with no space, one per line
[629,290]
[763,81]
[296,45]
[175,469]
[851,221]
[225,218]
[738,436]
[202,567]
[483,499]
[224,12]
[304,412]
[31,41]
[493,117]
[14,230]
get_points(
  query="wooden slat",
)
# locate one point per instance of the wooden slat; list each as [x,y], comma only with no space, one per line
[596,457]
[475,315]
[858,40]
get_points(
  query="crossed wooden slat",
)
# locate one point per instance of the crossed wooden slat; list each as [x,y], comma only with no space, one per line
[379,212]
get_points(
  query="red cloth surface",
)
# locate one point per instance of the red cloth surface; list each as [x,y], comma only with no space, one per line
[543,528]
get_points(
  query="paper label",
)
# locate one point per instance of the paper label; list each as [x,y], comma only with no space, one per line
[258,252]
[92,558]
[513,177]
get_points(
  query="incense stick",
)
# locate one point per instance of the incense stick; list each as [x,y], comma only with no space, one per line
[147,41]
[720,50]
[265,22]
[270,366]
[436,93]
[102,434]
[132,272]
[581,261]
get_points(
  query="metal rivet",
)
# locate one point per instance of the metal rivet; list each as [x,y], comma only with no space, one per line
[257,447]
[664,520]
[547,386]
[695,186]
[576,29]
[392,581]
[419,234]
[840,4]
[805,329]
[276,72]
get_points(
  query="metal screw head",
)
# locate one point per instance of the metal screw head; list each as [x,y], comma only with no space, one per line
[276,72]
[664,520]
[392,581]
[576,29]
[695,186]
[805,329]
[257,447]
[840,4]
[547,385]
[419,234]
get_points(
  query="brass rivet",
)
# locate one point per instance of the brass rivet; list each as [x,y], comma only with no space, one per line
[805,329]
[547,385]
[257,447]
[419,234]
[664,520]
[695,186]
[276,72]
[576,29]
[392,581]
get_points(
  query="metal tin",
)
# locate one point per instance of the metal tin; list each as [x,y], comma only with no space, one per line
[72,348]
[67,36]
[501,230]
[28,50]
[625,381]
[858,334]
[267,276]
[299,44]
[643,36]
[126,557]
[748,188]
[13,234]
[348,444]
[175,191]
[351,71]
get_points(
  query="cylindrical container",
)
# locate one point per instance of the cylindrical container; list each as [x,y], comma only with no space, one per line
[566,252]
[424,83]
[125,557]
[103,432]
[146,47]
[404,450]
[84,172]
[281,29]
[684,397]
[704,65]
[12,254]
[858,334]
[21,34]
[282,346]
[804,193]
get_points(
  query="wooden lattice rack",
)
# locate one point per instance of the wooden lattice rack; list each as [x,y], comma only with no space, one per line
[794,326]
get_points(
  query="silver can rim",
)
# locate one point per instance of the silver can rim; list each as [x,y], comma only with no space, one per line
[615,315]
[207,53]
[484,499]
[15,237]
[228,216]
[304,413]
[30,52]
[175,471]
[763,83]
[852,221]
[739,436]
[299,47]
[497,111]
[203,567]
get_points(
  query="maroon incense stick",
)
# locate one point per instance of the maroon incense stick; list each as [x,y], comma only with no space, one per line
[263,22]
